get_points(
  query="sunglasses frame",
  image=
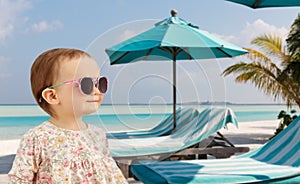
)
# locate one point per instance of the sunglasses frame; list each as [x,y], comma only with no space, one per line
[78,81]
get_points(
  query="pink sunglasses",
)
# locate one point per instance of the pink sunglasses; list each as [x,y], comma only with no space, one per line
[86,84]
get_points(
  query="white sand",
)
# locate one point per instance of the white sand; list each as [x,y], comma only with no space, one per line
[249,134]
[8,147]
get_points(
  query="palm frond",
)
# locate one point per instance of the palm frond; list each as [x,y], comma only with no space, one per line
[293,40]
[271,44]
[255,55]
[264,78]
[264,74]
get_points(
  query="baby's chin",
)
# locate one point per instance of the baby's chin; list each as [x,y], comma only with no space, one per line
[86,108]
[91,109]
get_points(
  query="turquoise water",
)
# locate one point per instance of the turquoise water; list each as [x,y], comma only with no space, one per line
[15,120]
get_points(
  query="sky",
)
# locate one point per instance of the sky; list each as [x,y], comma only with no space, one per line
[28,28]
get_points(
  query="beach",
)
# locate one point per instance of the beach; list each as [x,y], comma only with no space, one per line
[252,134]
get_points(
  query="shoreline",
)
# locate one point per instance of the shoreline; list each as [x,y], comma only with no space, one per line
[246,133]
[252,134]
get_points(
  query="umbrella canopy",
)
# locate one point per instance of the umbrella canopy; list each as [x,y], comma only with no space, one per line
[172,39]
[267,3]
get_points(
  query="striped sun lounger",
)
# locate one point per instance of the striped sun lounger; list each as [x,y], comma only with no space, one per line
[183,116]
[208,122]
[278,161]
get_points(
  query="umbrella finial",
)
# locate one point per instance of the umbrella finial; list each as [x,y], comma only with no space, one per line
[173,13]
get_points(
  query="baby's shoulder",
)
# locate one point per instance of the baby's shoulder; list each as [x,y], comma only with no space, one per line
[97,131]
[39,131]
[95,128]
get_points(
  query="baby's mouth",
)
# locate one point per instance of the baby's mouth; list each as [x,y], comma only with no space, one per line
[95,100]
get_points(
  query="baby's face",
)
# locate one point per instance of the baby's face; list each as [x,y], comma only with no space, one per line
[70,96]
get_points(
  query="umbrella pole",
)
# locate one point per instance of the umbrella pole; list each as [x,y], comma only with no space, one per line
[174,91]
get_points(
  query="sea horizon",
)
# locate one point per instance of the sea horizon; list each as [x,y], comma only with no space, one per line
[15,119]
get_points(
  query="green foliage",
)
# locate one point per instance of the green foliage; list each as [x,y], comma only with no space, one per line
[265,74]
[286,119]
[293,40]
[275,69]
[292,63]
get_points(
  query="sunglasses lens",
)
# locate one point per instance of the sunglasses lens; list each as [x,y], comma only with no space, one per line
[102,85]
[87,85]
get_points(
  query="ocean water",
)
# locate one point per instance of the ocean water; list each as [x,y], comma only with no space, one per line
[15,120]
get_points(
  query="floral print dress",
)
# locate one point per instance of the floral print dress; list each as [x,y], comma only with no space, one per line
[48,154]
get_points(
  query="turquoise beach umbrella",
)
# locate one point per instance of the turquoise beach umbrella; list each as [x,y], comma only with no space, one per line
[267,3]
[172,39]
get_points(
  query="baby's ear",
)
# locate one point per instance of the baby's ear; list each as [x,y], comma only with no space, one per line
[50,96]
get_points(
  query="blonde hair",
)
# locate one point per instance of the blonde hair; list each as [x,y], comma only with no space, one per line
[45,69]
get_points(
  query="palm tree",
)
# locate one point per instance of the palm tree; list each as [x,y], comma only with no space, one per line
[279,81]
[293,40]
[263,71]
[292,66]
